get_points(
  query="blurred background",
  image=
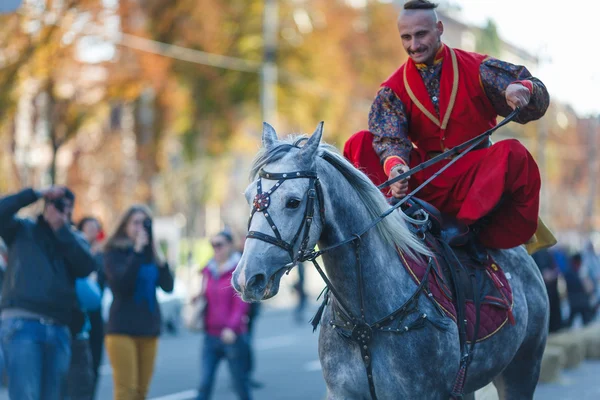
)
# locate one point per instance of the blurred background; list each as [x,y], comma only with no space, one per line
[162,101]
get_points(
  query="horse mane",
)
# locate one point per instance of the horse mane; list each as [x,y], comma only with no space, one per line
[393,229]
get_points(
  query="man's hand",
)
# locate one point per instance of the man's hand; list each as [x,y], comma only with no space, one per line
[52,192]
[228,336]
[55,218]
[517,95]
[399,189]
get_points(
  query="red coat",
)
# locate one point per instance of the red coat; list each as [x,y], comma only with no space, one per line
[363,160]
[473,187]
[224,308]
[463,105]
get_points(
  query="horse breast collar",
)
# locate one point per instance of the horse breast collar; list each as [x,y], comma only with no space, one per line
[262,201]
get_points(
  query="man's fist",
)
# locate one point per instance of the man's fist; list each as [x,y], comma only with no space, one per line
[399,189]
[52,192]
[517,95]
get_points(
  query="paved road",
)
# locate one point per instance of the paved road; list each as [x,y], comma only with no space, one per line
[287,363]
[582,383]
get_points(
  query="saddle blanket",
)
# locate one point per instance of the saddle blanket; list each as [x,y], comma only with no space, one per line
[495,294]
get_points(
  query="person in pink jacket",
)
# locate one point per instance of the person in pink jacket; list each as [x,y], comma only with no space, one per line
[225,321]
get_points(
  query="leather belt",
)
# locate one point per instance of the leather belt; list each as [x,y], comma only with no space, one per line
[484,145]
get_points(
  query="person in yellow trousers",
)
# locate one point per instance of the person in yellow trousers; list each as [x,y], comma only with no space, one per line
[134,270]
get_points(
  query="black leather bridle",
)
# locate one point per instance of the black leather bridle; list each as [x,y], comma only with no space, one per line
[261,203]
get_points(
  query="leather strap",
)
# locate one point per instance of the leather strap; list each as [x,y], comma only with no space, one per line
[287,175]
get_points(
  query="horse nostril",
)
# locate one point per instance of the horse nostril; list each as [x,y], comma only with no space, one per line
[258,281]
[235,285]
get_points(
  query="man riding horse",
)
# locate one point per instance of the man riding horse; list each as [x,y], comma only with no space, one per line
[440,98]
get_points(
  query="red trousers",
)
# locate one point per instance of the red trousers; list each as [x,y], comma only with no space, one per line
[473,186]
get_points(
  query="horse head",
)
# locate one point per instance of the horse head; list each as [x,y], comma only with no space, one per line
[284,221]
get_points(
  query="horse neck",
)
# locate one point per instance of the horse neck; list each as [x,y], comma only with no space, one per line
[385,283]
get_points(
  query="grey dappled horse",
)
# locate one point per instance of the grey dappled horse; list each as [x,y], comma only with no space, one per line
[421,364]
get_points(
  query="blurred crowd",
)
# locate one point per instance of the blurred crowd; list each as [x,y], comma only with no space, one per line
[572,279]
[53,274]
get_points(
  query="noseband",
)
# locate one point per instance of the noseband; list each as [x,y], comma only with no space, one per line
[262,201]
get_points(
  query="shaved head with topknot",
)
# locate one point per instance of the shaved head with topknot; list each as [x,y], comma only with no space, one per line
[420,30]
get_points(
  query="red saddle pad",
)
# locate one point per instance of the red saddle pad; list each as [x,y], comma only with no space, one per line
[496,307]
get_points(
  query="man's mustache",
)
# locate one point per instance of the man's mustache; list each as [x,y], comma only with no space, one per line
[419,50]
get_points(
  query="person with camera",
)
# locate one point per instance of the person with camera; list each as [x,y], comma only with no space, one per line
[134,269]
[45,257]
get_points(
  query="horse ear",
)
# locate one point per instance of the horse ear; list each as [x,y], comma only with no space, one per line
[269,136]
[309,150]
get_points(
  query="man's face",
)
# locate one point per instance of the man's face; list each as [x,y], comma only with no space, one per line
[421,35]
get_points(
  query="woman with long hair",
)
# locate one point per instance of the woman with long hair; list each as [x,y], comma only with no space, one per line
[225,321]
[133,271]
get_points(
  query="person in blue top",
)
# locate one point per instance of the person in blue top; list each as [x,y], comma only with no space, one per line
[134,269]
[91,229]
[80,385]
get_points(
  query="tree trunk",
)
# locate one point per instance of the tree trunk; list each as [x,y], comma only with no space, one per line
[53,165]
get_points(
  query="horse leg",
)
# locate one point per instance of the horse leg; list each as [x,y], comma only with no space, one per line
[519,379]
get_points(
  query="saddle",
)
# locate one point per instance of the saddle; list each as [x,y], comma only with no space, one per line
[461,283]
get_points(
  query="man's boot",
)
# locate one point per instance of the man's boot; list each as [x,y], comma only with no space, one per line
[475,249]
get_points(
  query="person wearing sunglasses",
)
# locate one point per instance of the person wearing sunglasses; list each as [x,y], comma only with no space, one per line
[225,320]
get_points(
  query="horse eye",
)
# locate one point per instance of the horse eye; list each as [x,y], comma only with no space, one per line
[292,203]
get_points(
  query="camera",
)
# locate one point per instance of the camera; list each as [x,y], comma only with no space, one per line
[149,247]
[148,226]
[59,204]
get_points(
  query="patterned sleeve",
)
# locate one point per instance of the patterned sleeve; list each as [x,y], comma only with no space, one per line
[496,75]
[389,124]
